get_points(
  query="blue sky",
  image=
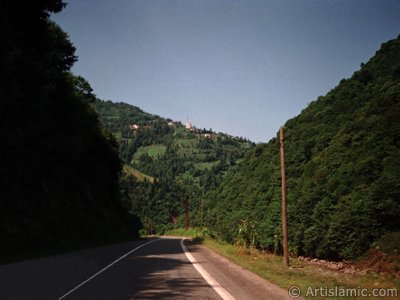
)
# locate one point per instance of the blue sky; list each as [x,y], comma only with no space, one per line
[240,67]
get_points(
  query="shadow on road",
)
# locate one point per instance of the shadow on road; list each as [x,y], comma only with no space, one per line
[165,273]
[165,278]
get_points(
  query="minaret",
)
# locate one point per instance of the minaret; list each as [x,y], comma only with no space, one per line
[188,124]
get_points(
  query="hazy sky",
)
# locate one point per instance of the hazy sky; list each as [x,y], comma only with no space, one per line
[241,67]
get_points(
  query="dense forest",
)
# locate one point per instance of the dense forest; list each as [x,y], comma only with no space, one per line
[166,163]
[59,166]
[342,155]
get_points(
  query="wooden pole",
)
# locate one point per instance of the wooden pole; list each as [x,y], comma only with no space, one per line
[186,206]
[202,212]
[284,204]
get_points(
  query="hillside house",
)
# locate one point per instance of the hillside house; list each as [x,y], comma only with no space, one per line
[134,127]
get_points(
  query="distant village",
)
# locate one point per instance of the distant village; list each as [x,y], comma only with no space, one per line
[188,126]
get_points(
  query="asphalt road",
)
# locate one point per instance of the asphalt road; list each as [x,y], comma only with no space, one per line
[148,269]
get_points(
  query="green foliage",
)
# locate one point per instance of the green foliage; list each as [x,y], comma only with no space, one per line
[59,167]
[342,155]
[247,233]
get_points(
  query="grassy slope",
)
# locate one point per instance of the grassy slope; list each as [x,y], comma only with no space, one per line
[141,177]
[153,151]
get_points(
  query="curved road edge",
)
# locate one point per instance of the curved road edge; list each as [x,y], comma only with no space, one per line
[223,293]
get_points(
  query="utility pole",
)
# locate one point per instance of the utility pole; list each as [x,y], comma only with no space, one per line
[186,208]
[284,204]
[202,211]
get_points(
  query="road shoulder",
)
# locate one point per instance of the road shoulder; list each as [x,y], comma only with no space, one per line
[241,283]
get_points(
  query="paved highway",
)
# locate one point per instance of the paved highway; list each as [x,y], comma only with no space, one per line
[149,269]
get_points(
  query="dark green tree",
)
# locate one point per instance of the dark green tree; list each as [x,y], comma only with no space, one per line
[59,167]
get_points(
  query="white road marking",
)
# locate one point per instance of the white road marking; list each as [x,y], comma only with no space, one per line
[105,268]
[223,293]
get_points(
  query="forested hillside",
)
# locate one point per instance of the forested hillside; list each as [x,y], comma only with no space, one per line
[343,172]
[59,168]
[166,163]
